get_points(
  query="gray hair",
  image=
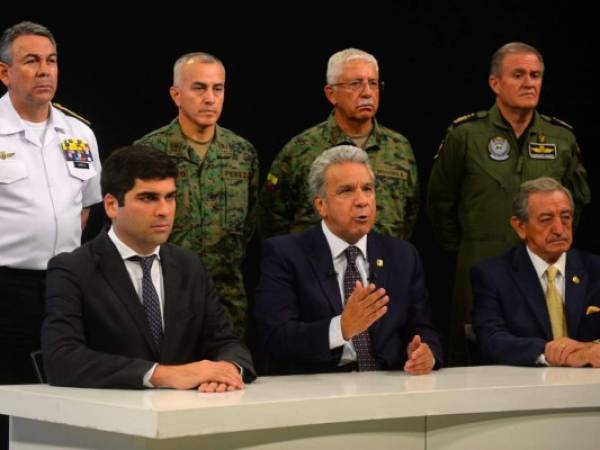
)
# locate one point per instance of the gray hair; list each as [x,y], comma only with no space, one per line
[337,60]
[510,49]
[335,155]
[201,57]
[21,29]
[543,184]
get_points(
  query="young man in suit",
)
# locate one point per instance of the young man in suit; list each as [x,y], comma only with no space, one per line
[539,303]
[338,296]
[128,309]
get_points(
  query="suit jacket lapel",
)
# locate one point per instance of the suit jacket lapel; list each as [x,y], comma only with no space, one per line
[575,301]
[114,272]
[527,280]
[319,256]
[377,268]
[172,285]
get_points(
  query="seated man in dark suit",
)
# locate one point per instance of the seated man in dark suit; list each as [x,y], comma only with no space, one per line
[128,310]
[338,296]
[539,302]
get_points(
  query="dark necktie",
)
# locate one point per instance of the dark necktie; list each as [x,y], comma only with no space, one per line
[150,297]
[362,341]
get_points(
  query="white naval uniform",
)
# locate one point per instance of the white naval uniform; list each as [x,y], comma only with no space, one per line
[41,193]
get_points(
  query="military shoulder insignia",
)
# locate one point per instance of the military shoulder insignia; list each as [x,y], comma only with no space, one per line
[68,112]
[6,155]
[271,184]
[499,148]
[557,121]
[469,118]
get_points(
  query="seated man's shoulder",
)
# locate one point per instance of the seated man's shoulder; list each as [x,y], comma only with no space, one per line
[394,245]
[505,261]
[589,260]
[184,257]
[81,259]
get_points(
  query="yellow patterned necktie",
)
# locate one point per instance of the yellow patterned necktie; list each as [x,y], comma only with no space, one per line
[556,309]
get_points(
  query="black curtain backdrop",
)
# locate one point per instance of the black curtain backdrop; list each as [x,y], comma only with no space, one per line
[116,69]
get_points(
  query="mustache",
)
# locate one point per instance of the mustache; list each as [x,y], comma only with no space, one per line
[365,102]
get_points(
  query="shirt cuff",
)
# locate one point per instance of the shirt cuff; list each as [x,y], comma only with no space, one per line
[241,369]
[336,339]
[148,375]
[541,361]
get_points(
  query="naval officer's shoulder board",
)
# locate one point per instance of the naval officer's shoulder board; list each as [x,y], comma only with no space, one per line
[70,113]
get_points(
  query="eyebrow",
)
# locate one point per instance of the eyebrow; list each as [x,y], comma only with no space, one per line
[38,55]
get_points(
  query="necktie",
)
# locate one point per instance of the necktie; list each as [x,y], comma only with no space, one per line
[150,297]
[362,341]
[555,305]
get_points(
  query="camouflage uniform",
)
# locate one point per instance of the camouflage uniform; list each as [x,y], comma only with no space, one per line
[216,200]
[475,177]
[285,203]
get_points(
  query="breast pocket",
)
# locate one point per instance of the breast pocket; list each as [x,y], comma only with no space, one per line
[81,170]
[15,187]
[236,196]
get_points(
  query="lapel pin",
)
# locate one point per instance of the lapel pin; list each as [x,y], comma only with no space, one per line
[379,263]
[575,279]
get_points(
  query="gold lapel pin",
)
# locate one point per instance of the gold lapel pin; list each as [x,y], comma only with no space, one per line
[575,279]
[379,263]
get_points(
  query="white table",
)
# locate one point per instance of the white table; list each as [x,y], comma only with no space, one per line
[473,407]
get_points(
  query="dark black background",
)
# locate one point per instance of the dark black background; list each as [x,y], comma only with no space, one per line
[116,68]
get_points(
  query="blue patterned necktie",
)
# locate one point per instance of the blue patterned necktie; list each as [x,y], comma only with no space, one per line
[150,297]
[362,341]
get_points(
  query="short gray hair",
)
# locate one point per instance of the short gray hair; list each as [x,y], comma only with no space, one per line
[25,28]
[337,60]
[335,155]
[543,184]
[201,57]
[510,49]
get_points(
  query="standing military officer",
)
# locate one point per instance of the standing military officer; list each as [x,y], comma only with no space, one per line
[353,88]
[217,183]
[46,192]
[481,163]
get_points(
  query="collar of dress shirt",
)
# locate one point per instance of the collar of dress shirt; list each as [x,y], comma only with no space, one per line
[124,250]
[338,246]
[540,265]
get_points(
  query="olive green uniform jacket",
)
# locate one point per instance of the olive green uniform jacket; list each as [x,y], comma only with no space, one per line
[475,177]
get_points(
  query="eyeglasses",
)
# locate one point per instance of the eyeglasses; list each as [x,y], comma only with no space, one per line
[359,85]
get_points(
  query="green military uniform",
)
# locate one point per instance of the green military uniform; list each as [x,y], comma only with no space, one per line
[475,177]
[216,200]
[285,202]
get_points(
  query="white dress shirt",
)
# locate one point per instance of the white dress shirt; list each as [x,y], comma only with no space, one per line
[540,267]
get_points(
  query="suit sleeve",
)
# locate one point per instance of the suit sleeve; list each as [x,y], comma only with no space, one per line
[285,333]
[217,340]
[420,312]
[68,360]
[498,345]
[444,191]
